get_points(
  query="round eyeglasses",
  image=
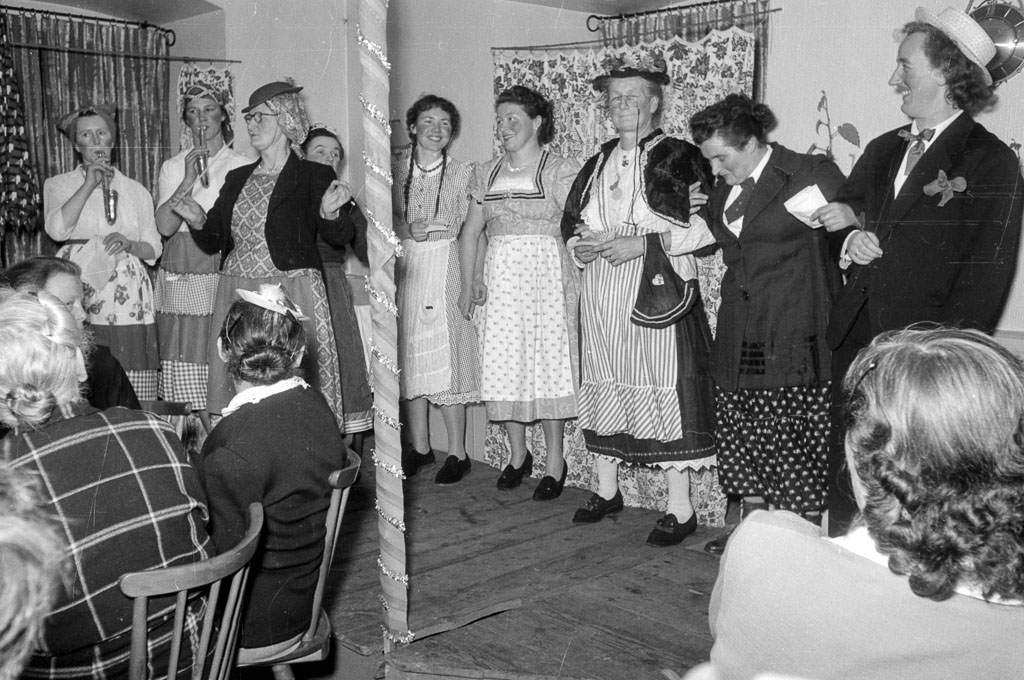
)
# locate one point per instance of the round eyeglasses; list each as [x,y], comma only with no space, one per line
[257,117]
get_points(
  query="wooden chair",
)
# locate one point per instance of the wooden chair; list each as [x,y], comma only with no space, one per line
[225,575]
[174,412]
[315,643]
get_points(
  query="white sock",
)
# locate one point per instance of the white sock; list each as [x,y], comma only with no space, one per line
[607,478]
[678,494]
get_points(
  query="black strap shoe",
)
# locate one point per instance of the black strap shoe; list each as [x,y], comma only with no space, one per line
[412,461]
[453,470]
[512,477]
[668,531]
[549,489]
[596,509]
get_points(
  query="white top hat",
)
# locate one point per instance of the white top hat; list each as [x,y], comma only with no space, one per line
[965,33]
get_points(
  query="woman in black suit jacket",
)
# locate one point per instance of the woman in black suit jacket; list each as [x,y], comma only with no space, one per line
[770,359]
[264,224]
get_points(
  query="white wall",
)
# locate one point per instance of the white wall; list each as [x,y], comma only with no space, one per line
[444,47]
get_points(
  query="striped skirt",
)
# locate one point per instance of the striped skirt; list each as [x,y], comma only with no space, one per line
[646,395]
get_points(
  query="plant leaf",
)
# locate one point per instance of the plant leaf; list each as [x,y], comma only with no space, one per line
[823,101]
[849,133]
[817,127]
[813,148]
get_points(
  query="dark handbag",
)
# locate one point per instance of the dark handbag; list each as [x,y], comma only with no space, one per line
[662,298]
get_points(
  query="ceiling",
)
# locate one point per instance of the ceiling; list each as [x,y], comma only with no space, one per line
[158,12]
[162,12]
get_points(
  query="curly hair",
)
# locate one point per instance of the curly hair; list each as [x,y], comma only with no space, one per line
[735,119]
[412,116]
[965,82]
[33,556]
[935,434]
[534,104]
[41,357]
[260,345]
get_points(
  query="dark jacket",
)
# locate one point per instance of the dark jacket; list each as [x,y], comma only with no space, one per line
[950,264]
[778,290]
[293,216]
[672,165]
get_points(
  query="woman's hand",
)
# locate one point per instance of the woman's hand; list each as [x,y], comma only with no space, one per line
[466,304]
[419,231]
[835,216]
[698,199]
[192,165]
[95,172]
[478,292]
[621,249]
[337,195]
[116,242]
[187,209]
[585,251]
[863,247]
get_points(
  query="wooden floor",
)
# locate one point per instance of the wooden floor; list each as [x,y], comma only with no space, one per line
[588,601]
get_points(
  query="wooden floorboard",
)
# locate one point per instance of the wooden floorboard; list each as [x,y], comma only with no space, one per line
[588,601]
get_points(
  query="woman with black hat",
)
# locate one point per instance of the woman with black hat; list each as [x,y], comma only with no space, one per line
[186,282]
[645,388]
[106,224]
[264,225]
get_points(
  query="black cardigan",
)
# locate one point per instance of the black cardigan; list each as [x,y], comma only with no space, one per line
[293,216]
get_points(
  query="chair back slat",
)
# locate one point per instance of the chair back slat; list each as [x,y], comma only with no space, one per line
[186,581]
[341,482]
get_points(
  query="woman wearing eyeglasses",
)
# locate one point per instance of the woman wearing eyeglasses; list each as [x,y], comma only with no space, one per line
[264,225]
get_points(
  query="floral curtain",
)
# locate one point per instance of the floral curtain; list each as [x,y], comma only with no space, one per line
[703,72]
[217,79]
[693,23]
[87,61]
[19,190]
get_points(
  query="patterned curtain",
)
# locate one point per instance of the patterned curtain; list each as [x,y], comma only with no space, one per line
[219,79]
[66,75]
[703,72]
[693,23]
[19,190]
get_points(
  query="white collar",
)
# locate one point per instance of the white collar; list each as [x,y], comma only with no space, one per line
[859,542]
[257,393]
[761,165]
[939,129]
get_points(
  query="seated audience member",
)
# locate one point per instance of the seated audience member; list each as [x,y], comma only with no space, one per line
[927,584]
[277,444]
[107,384]
[116,482]
[32,555]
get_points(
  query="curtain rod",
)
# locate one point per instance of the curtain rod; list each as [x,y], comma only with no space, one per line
[598,42]
[169,35]
[618,17]
[127,55]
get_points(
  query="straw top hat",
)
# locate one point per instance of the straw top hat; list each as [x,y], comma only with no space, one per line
[965,33]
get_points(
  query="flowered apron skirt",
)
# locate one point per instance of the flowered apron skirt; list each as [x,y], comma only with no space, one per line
[120,315]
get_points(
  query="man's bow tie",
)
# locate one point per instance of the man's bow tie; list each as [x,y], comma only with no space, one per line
[923,136]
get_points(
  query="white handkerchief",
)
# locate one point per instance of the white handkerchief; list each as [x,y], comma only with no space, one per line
[436,226]
[96,263]
[803,204]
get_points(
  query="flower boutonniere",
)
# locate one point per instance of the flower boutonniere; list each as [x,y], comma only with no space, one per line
[945,186]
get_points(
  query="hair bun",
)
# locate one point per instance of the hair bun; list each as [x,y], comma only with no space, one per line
[30,404]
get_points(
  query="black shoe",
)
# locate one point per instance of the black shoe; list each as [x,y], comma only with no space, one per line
[669,531]
[717,545]
[549,489]
[412,461]
[596,508]
[453,470]
[512,477]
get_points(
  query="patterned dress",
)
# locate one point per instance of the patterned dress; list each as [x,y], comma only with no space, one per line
[118,293]
[437,346]
[528,327]
[185,286]
[646,394]
[247,266]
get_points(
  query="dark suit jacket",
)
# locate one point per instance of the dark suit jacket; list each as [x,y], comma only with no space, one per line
[778,290]
[293,216]
[952,264]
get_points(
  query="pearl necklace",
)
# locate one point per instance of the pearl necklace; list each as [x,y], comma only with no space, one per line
[529,164]
[263,170]
[427,168]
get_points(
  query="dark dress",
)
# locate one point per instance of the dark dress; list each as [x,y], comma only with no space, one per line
[278,452]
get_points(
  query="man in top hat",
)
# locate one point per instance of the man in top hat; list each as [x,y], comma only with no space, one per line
[933,211]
